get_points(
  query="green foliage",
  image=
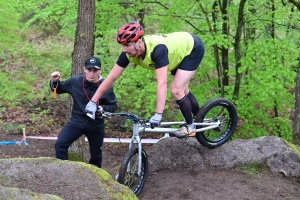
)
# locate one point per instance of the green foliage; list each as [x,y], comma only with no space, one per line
[52,16]
[30,64]
[267,65]
[30,76]
[269,55]
[11,127]
[9,26]
[256,103]
[139,86]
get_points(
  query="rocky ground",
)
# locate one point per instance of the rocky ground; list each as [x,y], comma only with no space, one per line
[184,183]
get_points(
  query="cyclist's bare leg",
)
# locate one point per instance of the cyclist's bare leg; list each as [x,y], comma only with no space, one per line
[179,90]
[179,86]
[193,100]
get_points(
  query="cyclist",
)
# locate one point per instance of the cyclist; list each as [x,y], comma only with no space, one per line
[178,52]
[82,88]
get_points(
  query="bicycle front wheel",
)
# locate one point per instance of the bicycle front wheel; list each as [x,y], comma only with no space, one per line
[222,110]
[128,173]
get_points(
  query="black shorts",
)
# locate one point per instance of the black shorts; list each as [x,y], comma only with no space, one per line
[191,62]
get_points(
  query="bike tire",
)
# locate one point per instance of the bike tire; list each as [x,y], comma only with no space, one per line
[131,178]
[217,109]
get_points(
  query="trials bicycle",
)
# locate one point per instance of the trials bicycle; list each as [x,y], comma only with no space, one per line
[216,121]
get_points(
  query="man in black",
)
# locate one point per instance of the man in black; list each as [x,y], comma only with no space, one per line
[82,88]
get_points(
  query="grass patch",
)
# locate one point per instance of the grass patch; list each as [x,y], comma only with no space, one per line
[252,169]
[11,127]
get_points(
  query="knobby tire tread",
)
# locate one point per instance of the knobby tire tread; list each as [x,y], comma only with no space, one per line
[123,169]
[201,116]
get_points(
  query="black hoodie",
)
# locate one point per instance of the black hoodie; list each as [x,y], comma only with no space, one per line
[82,91]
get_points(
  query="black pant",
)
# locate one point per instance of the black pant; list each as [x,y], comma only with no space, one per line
[71,132]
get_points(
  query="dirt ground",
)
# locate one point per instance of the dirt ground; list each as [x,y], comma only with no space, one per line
[192,184]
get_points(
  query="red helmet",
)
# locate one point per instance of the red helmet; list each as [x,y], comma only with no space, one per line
[130,32]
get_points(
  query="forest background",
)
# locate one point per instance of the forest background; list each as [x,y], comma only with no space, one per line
[251,58]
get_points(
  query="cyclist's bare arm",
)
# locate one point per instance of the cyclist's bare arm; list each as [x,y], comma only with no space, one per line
[161,90]
[108,82]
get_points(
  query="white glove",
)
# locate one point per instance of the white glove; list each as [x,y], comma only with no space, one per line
[155,120]
[91,109]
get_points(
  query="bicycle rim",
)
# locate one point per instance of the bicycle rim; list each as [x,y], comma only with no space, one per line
[129,175]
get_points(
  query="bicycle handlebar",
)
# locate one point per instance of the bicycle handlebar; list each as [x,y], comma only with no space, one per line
[125,115]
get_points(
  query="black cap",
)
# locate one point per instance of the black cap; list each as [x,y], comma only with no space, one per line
[92,62]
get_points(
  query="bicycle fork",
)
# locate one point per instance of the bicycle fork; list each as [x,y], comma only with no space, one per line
[136,139]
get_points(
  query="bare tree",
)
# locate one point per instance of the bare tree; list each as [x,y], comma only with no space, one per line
[83,48]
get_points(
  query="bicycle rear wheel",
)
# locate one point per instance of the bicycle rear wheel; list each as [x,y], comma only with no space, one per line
[128,173]
[217,109]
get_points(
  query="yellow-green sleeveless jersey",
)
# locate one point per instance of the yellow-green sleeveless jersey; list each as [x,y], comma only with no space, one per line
[179,44]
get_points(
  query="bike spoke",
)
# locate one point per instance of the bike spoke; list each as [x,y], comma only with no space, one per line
[218,113]
[131,176]
[128,174]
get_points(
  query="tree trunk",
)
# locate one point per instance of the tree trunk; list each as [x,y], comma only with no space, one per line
[237,48]
[212,29]
[224,50]
[296,122]
[83,48]
[221,57]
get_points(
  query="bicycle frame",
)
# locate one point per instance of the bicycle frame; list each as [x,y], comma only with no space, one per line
[138,128]
[216,122]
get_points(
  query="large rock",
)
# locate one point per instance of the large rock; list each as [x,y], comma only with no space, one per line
[50,178]
[65,179]
[16,193]
[171,153]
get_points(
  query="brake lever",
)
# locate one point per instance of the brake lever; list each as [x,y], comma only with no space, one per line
[101,114]
[105,115]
